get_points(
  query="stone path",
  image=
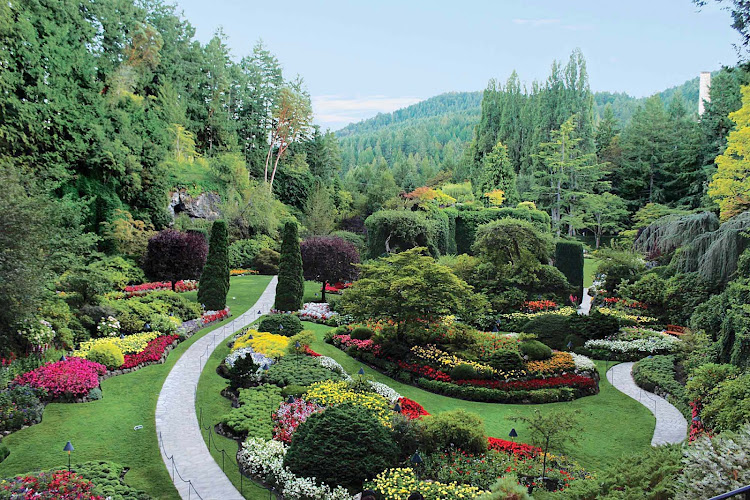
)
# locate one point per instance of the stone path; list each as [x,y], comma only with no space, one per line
[177,426]
[671,426]
[585,306]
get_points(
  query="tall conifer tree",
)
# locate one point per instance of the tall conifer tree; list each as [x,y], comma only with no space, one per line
[291,286]
[214,284]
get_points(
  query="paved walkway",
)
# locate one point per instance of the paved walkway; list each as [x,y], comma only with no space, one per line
[177,425]
[585,306]
[671,426]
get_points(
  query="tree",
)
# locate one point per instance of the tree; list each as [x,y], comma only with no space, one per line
[329,259]
[407,287]
[730,186]
[512,242]
[569,260]
[172,256]
[498,173]
[603,212]
[214,284]
[128,236]
[553,430]
[320,212]
[291,285]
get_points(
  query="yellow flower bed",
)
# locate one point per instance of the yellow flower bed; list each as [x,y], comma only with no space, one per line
[623,315]
[563,311]
[329,392]
[398,484]
[242,272]
[432,354]
[559,362]
[268,344]
[131,344]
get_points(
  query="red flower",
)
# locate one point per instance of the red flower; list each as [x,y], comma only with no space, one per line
[152,352]
[411,408]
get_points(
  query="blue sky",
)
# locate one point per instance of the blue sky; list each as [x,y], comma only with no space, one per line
[359,58]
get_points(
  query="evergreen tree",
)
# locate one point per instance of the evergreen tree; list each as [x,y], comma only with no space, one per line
[214,284]
[291,286]
[497,173]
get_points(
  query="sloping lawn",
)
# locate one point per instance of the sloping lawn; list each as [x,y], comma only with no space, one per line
[103,430]
[613,424]
[589,271]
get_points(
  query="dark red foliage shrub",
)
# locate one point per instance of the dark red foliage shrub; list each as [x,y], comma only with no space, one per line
[172,255]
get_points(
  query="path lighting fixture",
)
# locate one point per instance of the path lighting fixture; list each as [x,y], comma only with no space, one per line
[570,345]
[63,358]
[290,399]
[397,408]
[68,447]
[513,434]
[265,367]
[416,459]
[361,371]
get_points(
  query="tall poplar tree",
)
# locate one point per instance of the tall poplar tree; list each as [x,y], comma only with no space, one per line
[214,284]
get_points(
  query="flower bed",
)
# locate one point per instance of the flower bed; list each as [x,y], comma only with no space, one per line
[533,306]
[146,288]
[310,352]
[20,405]
[519,449]
[397,484]
[411,408]
[331,392]
[337,287]
[130,344]
[268,344]
[290,415]
[211,316]
[153,352]
[361,345]
[566,380]
[60,485]
[621,315]
[628,350]
[559,362]
[258,358]
[316,312]
[242,272]
[74,377]
[433,355]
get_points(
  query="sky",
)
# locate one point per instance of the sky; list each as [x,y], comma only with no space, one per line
[359,58]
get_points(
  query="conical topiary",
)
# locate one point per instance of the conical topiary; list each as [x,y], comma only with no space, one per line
[291,286]
[214,284]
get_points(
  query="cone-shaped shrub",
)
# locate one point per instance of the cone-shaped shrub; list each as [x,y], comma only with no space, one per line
[214,284]
[291,286]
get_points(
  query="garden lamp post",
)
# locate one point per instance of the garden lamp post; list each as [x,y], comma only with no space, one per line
[360,373]
[63,358]
[296,348]
[397,408]
[416,459]
[68,447]
[513,435]
[290,399]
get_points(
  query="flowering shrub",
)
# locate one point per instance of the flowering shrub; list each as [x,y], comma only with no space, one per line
[242,272]
[330,392]
[290,415]
[130,344]
[73,377]
[39,334]
[442,359]
[20,405]
[411,409]
[696,424]
[519,449]
[151,353]
[59,485]
[258,358]
[265,459]
[636,318]
[316,311]
[582,362]
[396,484]
[559,362]
[108,327]
[566,380]
[146,288]
[211,316]
[645,346]
[333,365]
[268,344]
[345,341]
[423,370]
[533,306]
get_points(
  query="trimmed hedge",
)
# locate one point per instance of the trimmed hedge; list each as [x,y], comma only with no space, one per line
[251,418]
[214,283]
[290,288]
[406,230]
[486,395]
[290,324]
[569,260]
[298,370]
[467,222]
[550,329]
[657,375]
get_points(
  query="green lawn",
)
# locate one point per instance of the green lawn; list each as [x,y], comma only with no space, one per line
[589,271]
[613,424]
[103,430]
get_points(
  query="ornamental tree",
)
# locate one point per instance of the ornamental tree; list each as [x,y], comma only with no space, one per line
[291,285]
[214,284]
[329,259]
[172,256]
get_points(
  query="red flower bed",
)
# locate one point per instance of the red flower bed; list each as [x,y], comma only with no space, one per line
[567,380]
[153,351]
[696,426]
[211,316]
[411,408]
[310,352]
[145,288]
[632,304]
[60,485]
[539,305]
[337,288]
[72,377]
[425,371]
[289,416]
[518,449]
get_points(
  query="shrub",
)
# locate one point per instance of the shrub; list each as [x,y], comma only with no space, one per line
[106,354]
[708,376]
[253,417]
[174,303]
[402,230]
[214,283]
[107,478]
[297,391]
[569,260]
[457,428]
[729,404]
[362,333]
[280,324]
[506,361]
[535,350]
[162,323]
[243,373]
[4,452]
[463,372]
[291,285]
[20,405]
[304,338]
[595,325]
[550,329]
[74,377]
[298,370]
[618,265]
[267,261]
[360,447]
[242,253]
[657,374]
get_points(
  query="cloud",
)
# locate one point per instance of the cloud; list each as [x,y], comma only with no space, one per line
[536,23]
[336,111]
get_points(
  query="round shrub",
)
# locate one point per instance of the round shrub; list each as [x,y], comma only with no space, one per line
[266,261]
[4,452]
[455,428]
[290,324]
[106,354]
[535,350]
[362,333]
[162,323]
[295,369]
[360,447]
[463,372]
[505,360]
[550,329]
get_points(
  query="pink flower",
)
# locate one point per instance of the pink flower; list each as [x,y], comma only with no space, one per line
[74,377]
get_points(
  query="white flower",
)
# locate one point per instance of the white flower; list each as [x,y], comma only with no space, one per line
[582,362]
[385,391]
[332,365]
[317,311]
[648,345]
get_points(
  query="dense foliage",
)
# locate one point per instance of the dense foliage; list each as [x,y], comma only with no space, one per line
[214,284]
[291,285]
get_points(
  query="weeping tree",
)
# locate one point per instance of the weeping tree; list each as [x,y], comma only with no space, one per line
[671,232]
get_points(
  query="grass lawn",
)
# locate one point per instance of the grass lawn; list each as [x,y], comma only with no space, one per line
[103,430]
[589,271]
[613,424]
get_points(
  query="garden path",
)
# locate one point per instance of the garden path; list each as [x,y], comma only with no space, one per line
[177,425]
[671,426]
[585,306]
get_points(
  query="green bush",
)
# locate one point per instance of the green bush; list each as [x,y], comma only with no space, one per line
[657,374]
[253,417]
[175,304]
[463,372]
[708,376]
[162,323]
[243,373]
[290,324]
[4,452]
[619,265]
[242,253]
[535,350]
[291,285]
[360,447]
[403,230]
[550,329]
[20,405]
[728,407]
[505,360]
[569,260]
[107,478]
[295,369]
[214,283]
[294,390]
[458,428]
[106,354]
[267,261]
[362,333]
[486,395]
[355,239]
[595,325]
[467,222]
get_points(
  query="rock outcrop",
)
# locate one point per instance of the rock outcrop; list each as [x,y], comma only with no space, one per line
[203,206]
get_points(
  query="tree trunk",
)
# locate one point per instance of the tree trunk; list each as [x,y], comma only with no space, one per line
[268,159]
[276,164]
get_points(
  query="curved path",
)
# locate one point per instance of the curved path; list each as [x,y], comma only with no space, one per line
[585,306]
[177,426]
[671,426]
